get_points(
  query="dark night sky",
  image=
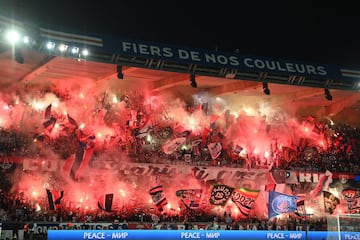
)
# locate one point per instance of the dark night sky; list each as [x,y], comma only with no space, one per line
[312,33]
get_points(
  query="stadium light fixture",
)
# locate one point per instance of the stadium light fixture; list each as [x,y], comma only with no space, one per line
[328,95]
[266,89]
[85,52]
[120,74]
[50,45]
[193,82]
[74,50]
[63,47]
[12,36]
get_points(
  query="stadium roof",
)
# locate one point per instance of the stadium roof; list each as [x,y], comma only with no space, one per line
[51,58]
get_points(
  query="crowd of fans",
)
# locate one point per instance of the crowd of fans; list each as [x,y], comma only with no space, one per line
[341,155]
[31,223]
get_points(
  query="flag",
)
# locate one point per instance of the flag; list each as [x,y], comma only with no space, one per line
[280,203]
[49,124]
[132,121]
[158,197]
[204,137]
[205,107]
[304,142]
[238,149]
[54,198]
[172,145]
[213,119]
[47,114]
[84,163]
[244,199]
[220,135]
[185,133]
[190,197]
[144,132]
[76,164]
[215,149]
[72,121]
[271,187]
[275,187]
[68,164]
[105,202]
[195,149]
[220,194]
[300,208]
[330,202]
[146,129]
[315,133]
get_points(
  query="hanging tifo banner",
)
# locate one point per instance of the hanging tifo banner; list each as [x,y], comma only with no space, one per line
[200,173]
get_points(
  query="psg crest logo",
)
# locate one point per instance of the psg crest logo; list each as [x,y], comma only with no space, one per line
[282,204]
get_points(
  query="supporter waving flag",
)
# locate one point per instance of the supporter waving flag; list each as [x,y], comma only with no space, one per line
[47,113]
[54,198]
[300,208]
[105,202]
[72,121]
[158,197]
[172,145]
[49,124]
[215,149]
[190,197]
[280,203]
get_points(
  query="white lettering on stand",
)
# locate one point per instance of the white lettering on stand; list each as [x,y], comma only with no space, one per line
[190,235]
[119,235]
[94,235]
[275,236]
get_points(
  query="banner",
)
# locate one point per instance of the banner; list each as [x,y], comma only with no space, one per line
[244,199]
[352,198]
[330,202]
[220,194]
